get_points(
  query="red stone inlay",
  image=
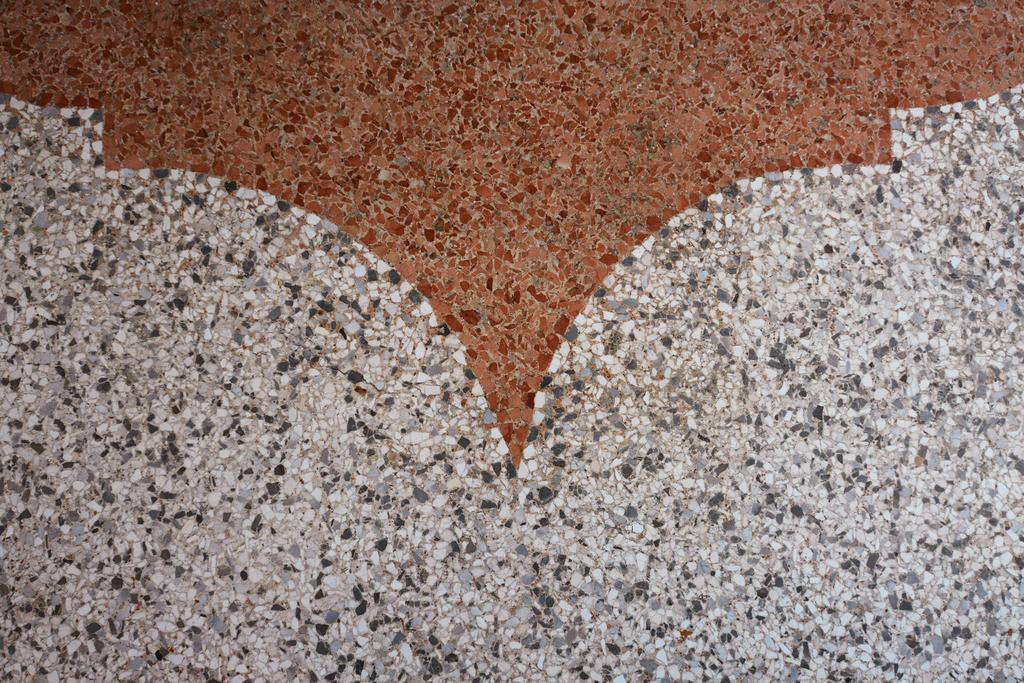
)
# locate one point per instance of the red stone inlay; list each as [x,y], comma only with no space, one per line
[503,154]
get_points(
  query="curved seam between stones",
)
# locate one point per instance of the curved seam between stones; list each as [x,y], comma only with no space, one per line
[437,308]
[518,451]
[618,272]
[476,388]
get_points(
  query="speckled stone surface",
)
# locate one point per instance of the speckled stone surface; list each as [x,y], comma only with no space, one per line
[503,156]
[784,439]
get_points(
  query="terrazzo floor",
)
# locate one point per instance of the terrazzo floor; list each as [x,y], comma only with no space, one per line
[780,438]
[784,439]
[503,156]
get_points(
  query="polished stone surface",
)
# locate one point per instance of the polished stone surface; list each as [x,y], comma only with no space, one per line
[784,441]
[503,156]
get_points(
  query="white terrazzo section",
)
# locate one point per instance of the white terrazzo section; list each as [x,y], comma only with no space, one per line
[785,441]
[795,420]
[207,458]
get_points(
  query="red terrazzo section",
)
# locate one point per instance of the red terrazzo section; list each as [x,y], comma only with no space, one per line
[503,155]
